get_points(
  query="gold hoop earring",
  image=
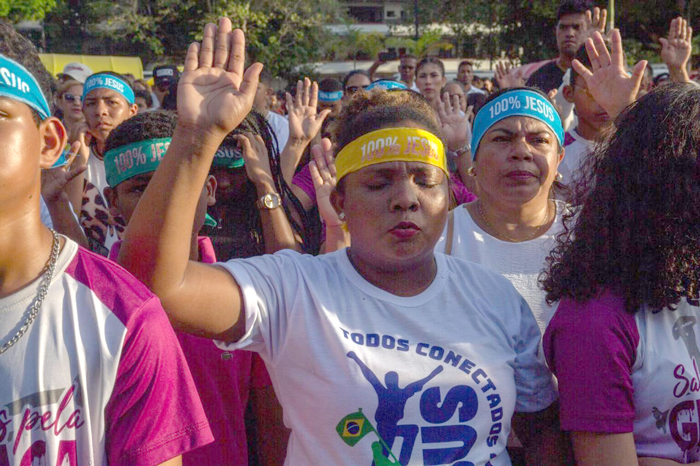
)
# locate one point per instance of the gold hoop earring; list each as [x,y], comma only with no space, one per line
[558,177]
[470,171]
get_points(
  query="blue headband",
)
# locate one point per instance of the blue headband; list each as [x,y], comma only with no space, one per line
[108,81]
[19,84]
[519,102]
[324,96]
[387,85]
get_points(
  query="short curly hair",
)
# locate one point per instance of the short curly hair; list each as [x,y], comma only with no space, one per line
[142,127]
[634,228]
[17,47]
[369,111]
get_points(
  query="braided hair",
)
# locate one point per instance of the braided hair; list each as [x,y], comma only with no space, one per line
[257,124]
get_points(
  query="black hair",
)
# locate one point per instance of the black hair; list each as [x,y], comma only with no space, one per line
[170,100]
[408,56]
[573,7]
[17,47]
[582,56]
[633,228]
[353,73]
[330,85]
[431,61]
[257,124]
[465,62]
[142,127]
[145,95]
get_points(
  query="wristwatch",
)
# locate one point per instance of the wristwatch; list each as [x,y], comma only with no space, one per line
[269,201]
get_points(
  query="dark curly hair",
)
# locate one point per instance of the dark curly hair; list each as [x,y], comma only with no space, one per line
[369,111]
[142,127]
[17,47]
[634,226]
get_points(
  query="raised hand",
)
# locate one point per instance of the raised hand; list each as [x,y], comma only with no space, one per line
[595,21]
[257,160]
[677,48]
[609,82]
[507,77]
[304,121]
[323,174]
[79,132]
[214,94]
[55,180]
[455,124]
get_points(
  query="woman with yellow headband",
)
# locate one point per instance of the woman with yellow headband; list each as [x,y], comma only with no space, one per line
[383,352]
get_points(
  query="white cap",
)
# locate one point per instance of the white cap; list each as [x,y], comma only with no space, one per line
[78,71]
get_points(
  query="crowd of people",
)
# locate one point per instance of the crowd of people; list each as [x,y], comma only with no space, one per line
[402,271]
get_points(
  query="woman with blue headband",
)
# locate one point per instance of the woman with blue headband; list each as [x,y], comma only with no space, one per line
[517,145]
[384,351]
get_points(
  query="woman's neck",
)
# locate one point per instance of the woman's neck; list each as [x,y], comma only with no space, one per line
[513,222]
[406,280]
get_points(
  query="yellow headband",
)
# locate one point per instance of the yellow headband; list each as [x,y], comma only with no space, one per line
[391,145]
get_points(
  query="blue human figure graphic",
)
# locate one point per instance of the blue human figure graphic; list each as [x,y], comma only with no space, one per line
[391,406]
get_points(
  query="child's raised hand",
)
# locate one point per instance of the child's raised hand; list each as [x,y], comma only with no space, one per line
[304,121]
[214,94]
[609,82]
[323,174]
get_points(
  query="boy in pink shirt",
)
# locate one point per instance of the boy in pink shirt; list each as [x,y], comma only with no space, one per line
[84,380]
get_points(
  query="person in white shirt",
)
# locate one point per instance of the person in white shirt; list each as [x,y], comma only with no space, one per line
[465,75]
[431,349]
[278,123]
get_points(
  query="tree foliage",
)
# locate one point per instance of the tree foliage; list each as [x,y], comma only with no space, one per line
[18,10]
[279,33]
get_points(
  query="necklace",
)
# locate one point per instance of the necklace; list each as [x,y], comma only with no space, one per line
[36,305]
[513,240]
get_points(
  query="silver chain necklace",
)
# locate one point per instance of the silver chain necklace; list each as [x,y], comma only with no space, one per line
[36,305]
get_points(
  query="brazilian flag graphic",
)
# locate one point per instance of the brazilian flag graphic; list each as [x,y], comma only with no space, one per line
[353,427]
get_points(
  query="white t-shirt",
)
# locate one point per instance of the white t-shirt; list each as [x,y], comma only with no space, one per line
[475,90]
[521,263]
[576,150]
[442,371]
[280,126]
[99,377]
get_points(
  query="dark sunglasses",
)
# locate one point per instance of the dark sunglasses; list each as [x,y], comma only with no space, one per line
[70,98]
[352,89]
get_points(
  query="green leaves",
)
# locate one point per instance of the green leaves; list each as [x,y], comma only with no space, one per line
[18,10]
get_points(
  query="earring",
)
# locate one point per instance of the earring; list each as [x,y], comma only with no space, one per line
[341,216]
[558,177]
[470,171]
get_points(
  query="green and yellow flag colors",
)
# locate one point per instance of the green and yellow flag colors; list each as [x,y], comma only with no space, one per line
[353,427]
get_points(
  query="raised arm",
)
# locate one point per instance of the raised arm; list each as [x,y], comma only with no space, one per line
[304,125]
[214,95]
[277,231]
[608,80]
[677,48]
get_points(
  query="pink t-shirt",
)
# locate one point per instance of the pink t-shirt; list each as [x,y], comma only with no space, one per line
[304,181]
[223,380]
[620,372]
[92,381]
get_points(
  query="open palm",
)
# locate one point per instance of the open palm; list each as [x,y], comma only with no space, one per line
[455,124]
[214,94]
[304,120]
[608,81]
[677,48]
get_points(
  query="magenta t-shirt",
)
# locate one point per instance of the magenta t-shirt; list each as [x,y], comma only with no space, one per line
[223,380]
[620,372]
[99,377]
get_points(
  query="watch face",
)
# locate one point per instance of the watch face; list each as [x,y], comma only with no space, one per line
[271,200]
